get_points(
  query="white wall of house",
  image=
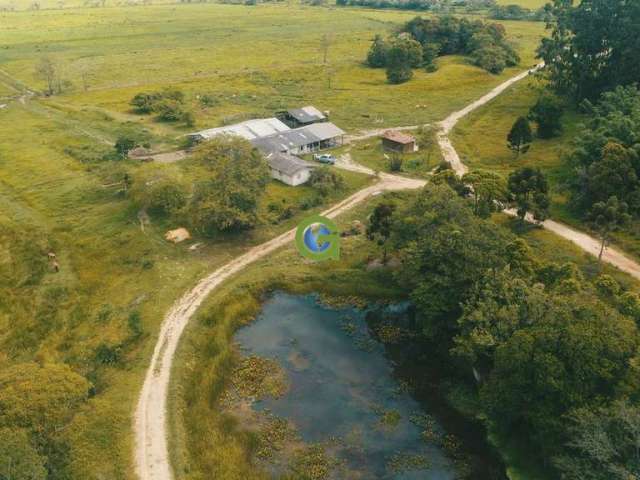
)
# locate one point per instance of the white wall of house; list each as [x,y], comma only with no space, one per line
[300,177]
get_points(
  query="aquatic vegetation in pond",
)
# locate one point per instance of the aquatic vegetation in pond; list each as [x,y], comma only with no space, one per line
[258,377]
[348,409]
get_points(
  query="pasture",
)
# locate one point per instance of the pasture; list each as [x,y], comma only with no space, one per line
[251,60]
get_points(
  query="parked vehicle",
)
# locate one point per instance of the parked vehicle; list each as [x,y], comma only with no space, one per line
[325,158]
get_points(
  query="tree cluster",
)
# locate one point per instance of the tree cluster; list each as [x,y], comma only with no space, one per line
[606,157]
[422,40]
[557,355]
[168,104]
[426,5]
[517,12]
[593,46]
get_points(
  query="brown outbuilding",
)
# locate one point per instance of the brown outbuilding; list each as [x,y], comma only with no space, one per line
[399,142]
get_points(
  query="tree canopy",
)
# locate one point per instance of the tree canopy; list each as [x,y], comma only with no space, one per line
[605,157]
[593,46]
[228,200]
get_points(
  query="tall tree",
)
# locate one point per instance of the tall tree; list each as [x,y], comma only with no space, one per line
[445,250]
[403,54]
[488,190]
[229,199]
[377,56]
[608,217]
[47,70]
[379,228]
[519,137]
[593,46]
[528,189]
[547,114]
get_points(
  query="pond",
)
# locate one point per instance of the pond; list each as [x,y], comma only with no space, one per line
[342,391]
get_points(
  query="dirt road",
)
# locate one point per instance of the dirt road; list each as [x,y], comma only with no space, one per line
[582,240]
[151,454]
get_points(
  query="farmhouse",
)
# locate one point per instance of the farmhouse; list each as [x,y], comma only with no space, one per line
[310,138]
[299,117]
[399,142]
[289,169]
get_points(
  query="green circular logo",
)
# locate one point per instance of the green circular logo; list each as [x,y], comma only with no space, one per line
[317,238]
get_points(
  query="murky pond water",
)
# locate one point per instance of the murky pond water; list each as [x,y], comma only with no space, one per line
[341,386]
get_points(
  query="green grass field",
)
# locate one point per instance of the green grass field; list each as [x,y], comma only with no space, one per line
[532,4]
[252,60]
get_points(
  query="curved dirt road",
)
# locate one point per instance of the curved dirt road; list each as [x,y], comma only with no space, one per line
[151,454]
[582,240]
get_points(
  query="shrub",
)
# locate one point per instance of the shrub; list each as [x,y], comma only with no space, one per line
[325,180]
[145,102]
[123,145]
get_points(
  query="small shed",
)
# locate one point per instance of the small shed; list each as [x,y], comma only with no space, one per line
[289,169]
[399,142]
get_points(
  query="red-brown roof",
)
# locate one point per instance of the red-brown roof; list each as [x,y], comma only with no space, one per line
[398,137]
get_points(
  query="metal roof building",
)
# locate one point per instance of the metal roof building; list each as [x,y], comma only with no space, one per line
[306,115]
[301,140]
[249,130]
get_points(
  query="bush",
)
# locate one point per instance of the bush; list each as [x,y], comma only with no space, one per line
[325,180]
[160,193]
[145,102]
[168,104]
[123,145]
[170,110]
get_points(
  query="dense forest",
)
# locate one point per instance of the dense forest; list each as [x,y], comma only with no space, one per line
[590,65]
[556,356]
